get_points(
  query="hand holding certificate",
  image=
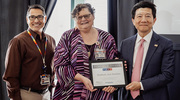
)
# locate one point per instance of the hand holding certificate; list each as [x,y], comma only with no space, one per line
[108,73]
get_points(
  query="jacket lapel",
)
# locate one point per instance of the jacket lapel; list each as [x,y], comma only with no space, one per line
[131,53]
[151,50]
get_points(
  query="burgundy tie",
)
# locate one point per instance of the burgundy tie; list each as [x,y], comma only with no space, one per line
[137,68]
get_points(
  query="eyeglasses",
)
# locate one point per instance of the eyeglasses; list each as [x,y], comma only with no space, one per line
[85,16]
[39,17]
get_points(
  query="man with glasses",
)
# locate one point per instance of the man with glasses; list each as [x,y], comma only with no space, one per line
[29,57]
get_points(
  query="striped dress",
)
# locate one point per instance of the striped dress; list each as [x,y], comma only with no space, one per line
[70,58]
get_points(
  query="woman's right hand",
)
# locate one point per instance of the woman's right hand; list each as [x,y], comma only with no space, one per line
[88,84]
[85,81]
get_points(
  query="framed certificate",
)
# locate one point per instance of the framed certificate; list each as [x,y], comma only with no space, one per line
[108,73]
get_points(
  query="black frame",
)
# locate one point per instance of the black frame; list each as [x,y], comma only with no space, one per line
[102,61]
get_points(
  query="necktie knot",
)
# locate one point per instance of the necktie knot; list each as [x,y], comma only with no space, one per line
[142,41]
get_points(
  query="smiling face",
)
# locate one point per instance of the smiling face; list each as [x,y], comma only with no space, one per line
[38,23]
[143,21]
[84,20]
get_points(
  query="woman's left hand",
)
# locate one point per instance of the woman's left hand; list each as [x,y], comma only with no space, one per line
[109,89]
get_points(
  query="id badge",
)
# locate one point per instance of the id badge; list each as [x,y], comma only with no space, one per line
[45,79]
[100,53]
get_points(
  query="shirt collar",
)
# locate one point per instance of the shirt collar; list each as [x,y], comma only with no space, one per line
[147,38]
[35,35]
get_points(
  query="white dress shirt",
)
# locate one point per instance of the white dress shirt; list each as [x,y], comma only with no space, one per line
[146,43]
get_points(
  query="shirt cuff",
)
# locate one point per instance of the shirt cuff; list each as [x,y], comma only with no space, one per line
[142,88]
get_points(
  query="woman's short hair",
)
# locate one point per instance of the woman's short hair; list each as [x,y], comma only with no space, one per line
[79,7]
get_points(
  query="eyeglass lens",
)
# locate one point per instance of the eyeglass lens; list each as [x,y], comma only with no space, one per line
[85,16]
[39,17]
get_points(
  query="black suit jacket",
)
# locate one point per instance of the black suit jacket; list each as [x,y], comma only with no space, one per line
[158,69]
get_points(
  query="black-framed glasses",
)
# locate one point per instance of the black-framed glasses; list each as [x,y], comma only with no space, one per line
[85,16]
[39,17]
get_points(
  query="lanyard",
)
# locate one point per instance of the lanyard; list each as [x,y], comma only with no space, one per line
[43,58]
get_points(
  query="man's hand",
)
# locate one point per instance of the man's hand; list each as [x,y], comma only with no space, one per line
[125,63]
[133,86]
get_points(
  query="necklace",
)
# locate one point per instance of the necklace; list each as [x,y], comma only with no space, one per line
[89,47]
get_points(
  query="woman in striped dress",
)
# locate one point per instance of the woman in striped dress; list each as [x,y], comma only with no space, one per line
[72,55]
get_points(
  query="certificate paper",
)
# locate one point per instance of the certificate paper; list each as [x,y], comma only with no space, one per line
[108,73]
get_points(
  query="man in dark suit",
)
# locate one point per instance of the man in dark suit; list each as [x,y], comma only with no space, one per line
[157,64]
